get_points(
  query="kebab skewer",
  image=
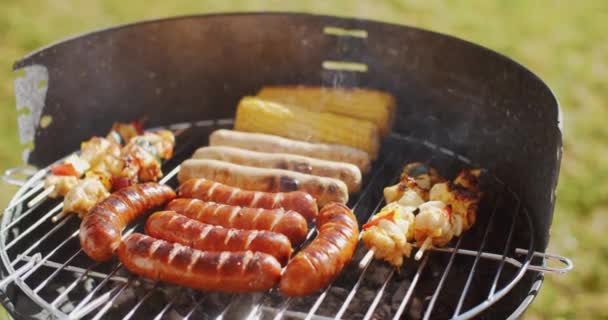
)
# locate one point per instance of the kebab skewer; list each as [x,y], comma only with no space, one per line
[103,165]
[423,208]
[450,211]
[98,156]
[138,161]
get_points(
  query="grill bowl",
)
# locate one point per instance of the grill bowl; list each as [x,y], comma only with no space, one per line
[455,99]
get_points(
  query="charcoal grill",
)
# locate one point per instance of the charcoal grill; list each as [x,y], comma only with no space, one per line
[459,105]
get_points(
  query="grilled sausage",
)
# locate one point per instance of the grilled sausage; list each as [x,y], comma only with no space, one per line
[268,180]
[208,190]
[174,227]
[100,229]
[346,172]
[286,222]
[327,254]
[219,271]
[276,144]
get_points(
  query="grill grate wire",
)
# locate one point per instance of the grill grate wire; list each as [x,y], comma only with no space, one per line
[114,282]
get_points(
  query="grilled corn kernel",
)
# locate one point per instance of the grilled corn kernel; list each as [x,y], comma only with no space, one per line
[371,105]
[258,115]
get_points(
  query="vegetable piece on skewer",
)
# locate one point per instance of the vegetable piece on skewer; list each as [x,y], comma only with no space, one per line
[94,154]
[432,222]
[97,149]
[64,176]
[415,176]
[64,169]
[82,197]
[388,232]
[58,186]
[142,155]
[123,132]
[410,199]
[462,196]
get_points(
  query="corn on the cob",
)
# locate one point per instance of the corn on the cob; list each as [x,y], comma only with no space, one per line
[372,105]
[258,115]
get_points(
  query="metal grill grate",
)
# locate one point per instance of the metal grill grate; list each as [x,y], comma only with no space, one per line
[43,259]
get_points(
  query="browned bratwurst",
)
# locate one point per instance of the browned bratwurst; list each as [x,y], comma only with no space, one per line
[174,227]
[322,260]
[100,229]
[219,271]
[208,190]
[286,222]
[323,189]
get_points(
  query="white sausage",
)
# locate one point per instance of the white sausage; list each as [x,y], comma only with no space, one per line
[276,144]
[347,172]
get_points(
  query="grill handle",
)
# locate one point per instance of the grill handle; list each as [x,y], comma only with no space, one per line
[17,273]
[19,175]
[547,257]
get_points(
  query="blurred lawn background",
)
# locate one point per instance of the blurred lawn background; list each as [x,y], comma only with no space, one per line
[565,42]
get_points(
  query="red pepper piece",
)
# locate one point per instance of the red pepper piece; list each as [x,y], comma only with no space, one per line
[388,215]
[64,169]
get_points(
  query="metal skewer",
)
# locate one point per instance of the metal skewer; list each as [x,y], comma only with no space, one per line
[26,195]
[428,242]
[366,259]
[41,196]
[59,216]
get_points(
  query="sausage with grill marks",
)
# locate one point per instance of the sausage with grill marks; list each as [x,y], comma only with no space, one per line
[218,271]
[286,222]
[323,189]
[325,257]
[209,190]
[100,229]
[174,227]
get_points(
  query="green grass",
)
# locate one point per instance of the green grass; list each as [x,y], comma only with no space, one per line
[564,42]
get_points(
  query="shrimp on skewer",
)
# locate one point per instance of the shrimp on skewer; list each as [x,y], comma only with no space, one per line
[415,176]
[463,196]
[389,232]
[432,226]
[423,208]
